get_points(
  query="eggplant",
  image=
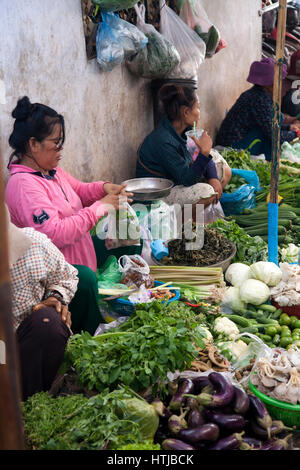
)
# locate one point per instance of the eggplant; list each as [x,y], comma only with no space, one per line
[276,428]
[177,423]
[161,409]
[176,444]
[206,432]
[241,401]
[224,395]
[260,413]
[201,382]
[178,400]
[192,404]
[227,443]
[277,444]
[251,443]
[233,423]
[195,419]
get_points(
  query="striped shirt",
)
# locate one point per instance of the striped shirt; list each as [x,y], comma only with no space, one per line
[41,269]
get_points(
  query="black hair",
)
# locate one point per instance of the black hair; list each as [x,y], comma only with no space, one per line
[175,96]
[32,120]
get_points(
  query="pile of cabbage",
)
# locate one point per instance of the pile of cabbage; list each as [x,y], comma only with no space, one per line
[250,284]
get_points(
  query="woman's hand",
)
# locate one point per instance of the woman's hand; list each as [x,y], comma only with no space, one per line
[295,126]
[111,188]
[215,183]
[116,196]
[60,308]
[204,143]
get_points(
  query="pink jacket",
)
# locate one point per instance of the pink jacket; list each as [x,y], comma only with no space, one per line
[62,207]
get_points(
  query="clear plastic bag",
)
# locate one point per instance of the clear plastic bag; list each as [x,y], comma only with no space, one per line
[116,41]
[135,271]
[194,15]
[213,212]
[123,228]
[188,43]
[159,56]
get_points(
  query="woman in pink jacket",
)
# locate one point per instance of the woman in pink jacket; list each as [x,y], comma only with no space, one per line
[41,195]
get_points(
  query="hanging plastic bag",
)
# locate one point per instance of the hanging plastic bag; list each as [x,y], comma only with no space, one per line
[110,53]
[194,15]
[135,271]
[159,56]
[116,41]
[190,46]
[114,5]
[244,197]
[123,228]
[213,212]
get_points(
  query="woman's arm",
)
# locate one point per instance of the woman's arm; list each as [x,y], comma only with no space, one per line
[88,192]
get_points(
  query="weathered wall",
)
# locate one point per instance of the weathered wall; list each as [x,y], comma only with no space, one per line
[107,114]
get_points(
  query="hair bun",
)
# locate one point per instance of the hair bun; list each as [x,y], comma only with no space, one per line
[23,109]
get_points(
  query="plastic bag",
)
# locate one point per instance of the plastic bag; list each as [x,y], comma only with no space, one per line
[190,46]
[193,14]
[213,212]
[135,271]
[109,271]
[114,5]
[123,228]
[290,152]
[244,197]
[159,56]
[117,40]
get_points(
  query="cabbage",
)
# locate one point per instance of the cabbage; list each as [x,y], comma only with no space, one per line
[142,413]
[237,273]
[267,272]
[254,292]
[233,300]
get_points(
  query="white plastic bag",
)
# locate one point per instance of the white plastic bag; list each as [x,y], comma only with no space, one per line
[188,43]
[158,58]
[123,228]
[135,271]
[194,15]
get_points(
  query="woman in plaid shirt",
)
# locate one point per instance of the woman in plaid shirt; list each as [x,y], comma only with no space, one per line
[42,286]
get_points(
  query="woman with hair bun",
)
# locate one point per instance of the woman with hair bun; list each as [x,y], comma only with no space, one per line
[42,195]
[164,152]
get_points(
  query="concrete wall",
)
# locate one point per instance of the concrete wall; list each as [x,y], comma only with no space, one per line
[107,114]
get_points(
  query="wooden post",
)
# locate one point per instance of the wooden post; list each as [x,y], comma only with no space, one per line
[277,90]
[11,436]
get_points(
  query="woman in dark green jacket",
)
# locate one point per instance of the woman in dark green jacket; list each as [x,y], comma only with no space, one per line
[164,152]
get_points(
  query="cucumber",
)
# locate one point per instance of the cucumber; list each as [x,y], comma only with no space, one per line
[268,308]
[242,321]
[249,329]
[213,41]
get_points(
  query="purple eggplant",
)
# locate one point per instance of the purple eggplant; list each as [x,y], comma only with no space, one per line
[224,389]
[176,444]
[161,409]
[277,444]
[195,419]
[260,413]
[178,400]
[233,423]
[206,432]
[241,402]
[249,443]
[201,382]
[192,404]
[227,443]
[177,423]
[276,428]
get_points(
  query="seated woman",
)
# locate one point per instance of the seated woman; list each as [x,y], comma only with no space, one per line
[250,118]
[41,195]
[164,152]
[42,286]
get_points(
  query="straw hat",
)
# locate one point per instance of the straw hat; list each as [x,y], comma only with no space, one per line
[18,242]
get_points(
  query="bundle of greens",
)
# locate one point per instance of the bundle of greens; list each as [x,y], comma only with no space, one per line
[140,352]
[110,420]
[248,249]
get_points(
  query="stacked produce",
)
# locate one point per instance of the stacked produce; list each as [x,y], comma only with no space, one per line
[211,412]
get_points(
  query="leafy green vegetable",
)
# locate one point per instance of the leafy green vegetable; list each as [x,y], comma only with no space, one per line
[235,182]
[78,423]
[147,445]
[139,353]
[249,249]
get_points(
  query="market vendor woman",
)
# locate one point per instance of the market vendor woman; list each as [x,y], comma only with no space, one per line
[42,195]
[164,152]
[250,118]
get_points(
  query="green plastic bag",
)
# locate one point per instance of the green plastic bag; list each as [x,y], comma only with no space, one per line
[114,5]
[109,272]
